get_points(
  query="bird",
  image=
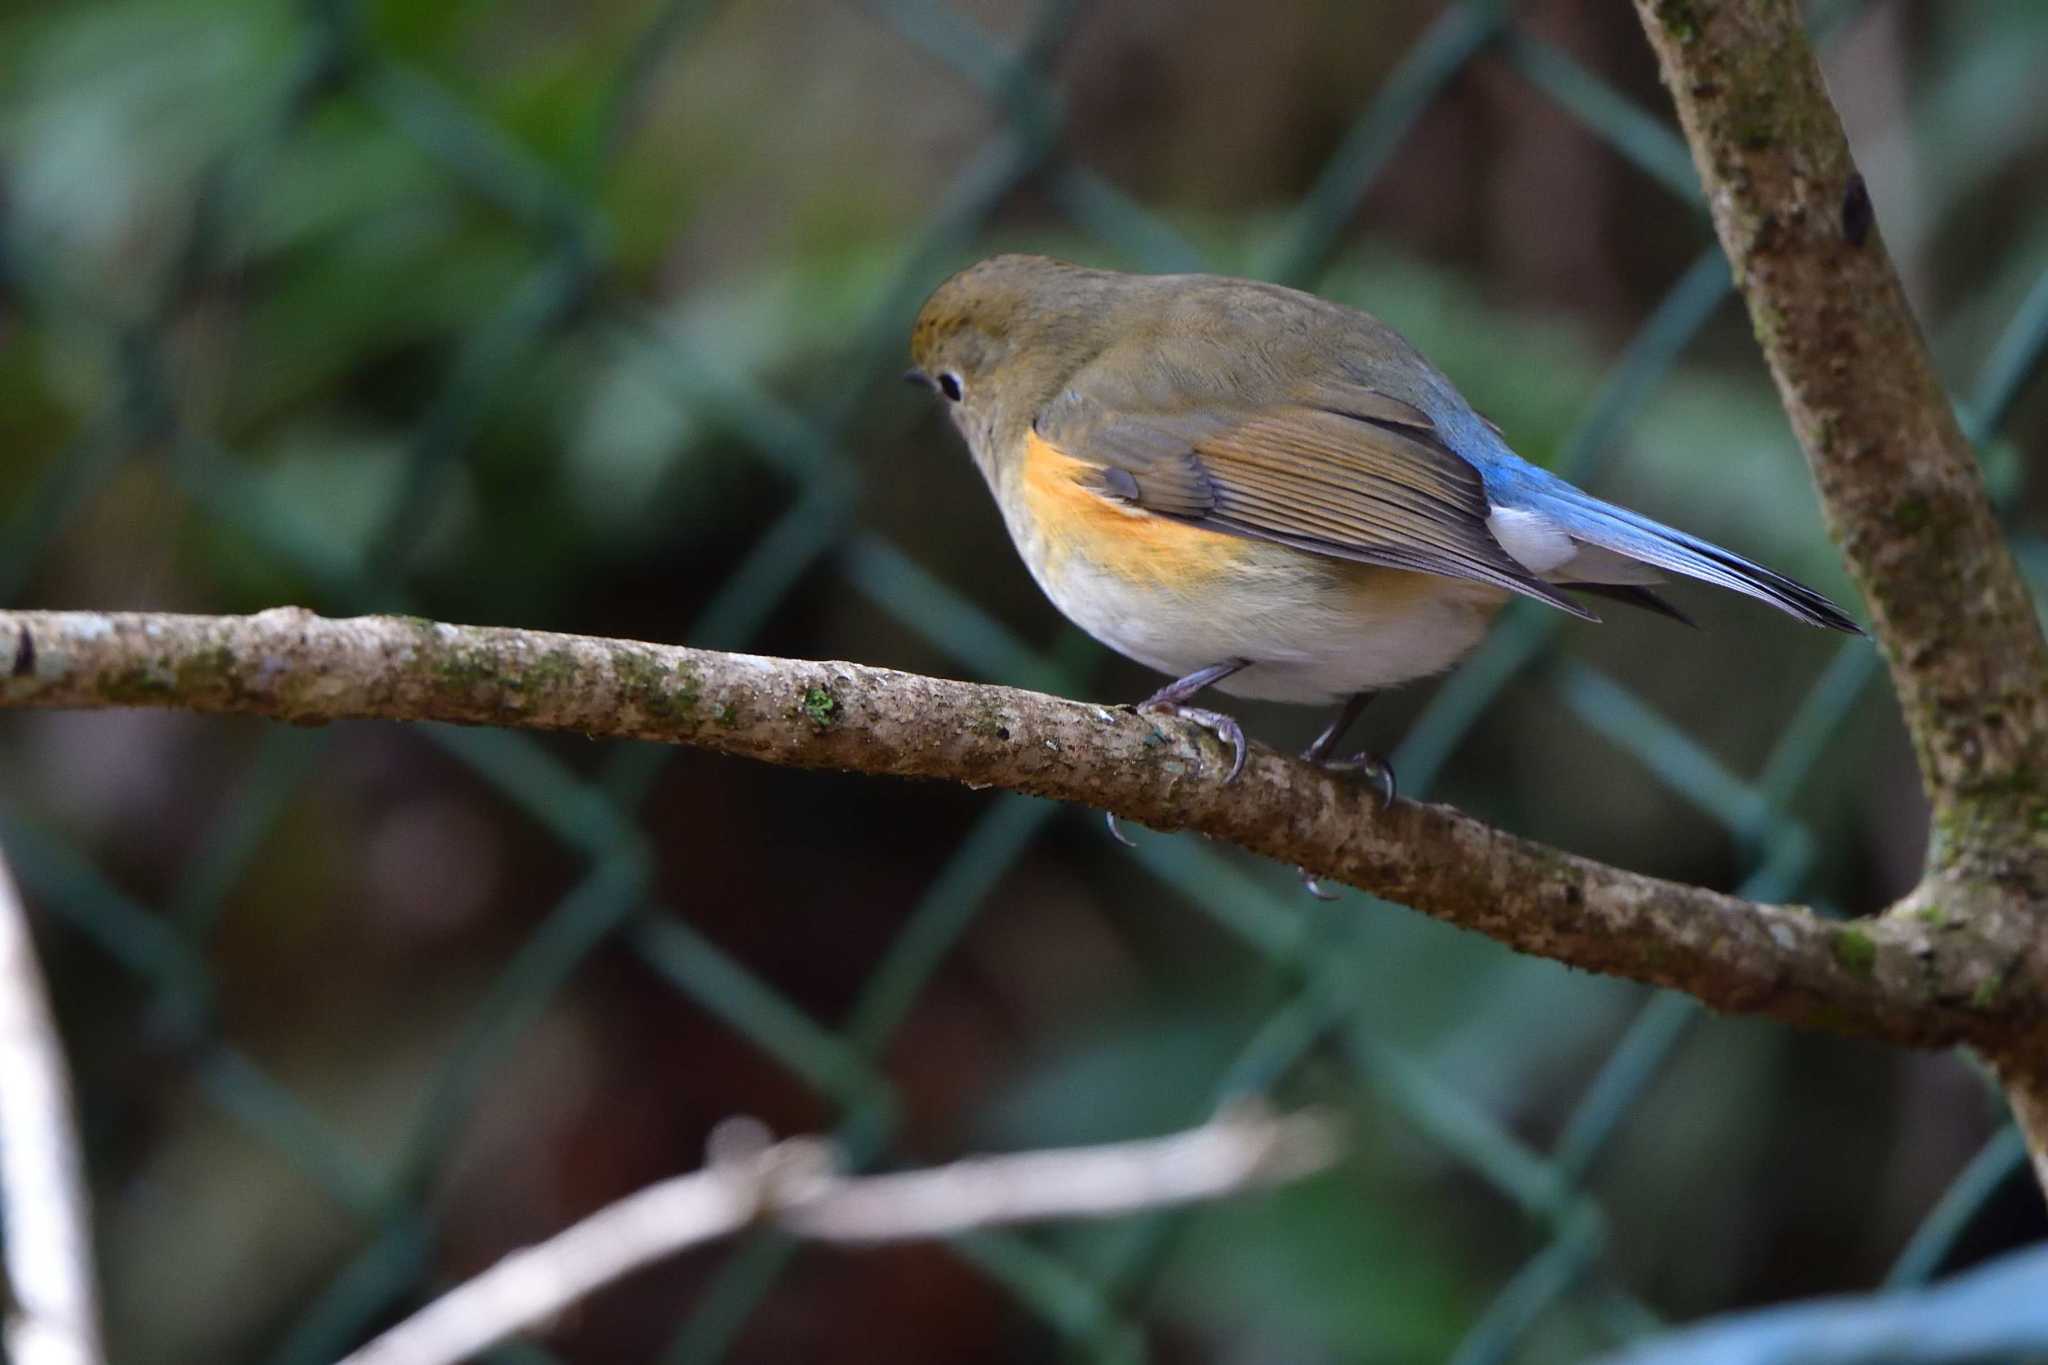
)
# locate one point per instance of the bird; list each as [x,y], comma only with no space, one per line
[1259,491]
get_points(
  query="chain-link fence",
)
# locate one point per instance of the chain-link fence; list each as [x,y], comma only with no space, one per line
[129,367]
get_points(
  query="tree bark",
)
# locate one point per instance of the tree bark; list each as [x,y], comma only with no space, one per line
[1918,979]
[1898,481]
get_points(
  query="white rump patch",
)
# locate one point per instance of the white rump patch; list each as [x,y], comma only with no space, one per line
[1533,540]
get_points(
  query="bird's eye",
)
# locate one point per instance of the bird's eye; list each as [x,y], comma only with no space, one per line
[949,385]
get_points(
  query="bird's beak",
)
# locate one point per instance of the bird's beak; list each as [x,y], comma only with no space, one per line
[913,375]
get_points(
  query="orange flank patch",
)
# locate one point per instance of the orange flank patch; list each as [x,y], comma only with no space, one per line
[1373,592]
[1072,519]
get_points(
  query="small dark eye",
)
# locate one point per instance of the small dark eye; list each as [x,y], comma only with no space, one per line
[949,385]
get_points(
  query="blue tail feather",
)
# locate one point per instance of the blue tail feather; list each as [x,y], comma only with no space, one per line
[1636,536]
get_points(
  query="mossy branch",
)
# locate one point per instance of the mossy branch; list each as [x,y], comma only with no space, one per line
[1908,978]
[1898,480]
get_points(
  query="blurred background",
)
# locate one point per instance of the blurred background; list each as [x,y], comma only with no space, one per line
[589,318]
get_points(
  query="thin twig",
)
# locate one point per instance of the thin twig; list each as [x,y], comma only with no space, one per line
[793,1186]
[43,1208]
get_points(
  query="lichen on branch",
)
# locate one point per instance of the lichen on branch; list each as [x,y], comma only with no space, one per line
[1898,481]
[1909,979]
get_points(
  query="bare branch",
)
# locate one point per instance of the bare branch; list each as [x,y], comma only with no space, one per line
[1899,482]
[1921,979]
[792,1185]
[43,1207]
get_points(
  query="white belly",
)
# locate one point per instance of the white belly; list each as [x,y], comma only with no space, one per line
[1315,631]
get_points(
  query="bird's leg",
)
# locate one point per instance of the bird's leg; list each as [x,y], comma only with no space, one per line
[1378,769]
[1375,768]
[1172,700]
[1320,748]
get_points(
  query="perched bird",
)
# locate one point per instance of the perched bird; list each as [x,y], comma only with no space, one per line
[1253,489]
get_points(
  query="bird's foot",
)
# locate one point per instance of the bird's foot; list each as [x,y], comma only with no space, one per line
[1172,699]
[1311,884]
[1216,723]
[1374,769]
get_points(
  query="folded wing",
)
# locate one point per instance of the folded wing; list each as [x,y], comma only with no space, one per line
[1350,473]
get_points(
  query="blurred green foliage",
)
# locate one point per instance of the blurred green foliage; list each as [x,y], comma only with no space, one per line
[586,317]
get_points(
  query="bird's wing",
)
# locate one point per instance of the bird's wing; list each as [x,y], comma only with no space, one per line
[1349,473]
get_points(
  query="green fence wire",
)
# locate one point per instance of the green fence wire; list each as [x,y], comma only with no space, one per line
[1312,1005]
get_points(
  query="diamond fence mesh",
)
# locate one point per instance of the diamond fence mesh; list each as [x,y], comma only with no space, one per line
[191,909]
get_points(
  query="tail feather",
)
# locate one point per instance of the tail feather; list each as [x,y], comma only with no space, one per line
[1635,595]
[1637,537]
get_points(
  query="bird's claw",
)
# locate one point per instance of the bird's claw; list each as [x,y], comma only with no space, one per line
[1374,769]
[1314,886]
[1171,700]
[1216,723]
[1116,830]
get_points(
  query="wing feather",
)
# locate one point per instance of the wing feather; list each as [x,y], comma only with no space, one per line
[1352,475]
